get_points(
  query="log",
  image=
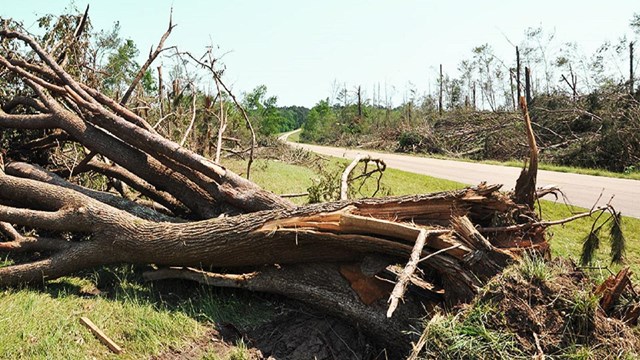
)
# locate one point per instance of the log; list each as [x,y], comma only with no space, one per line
[339,231]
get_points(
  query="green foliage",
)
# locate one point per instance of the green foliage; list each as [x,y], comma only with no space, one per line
[295,117]
[320,120]
[149,83]
[618,241]
[267,117]
[326,187]
[590,244]
[409,140]
[616,236]
[121,67]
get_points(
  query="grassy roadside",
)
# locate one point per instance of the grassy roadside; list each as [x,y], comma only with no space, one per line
[631,174]
[295,137]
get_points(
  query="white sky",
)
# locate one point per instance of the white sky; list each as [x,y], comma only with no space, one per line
[299,48]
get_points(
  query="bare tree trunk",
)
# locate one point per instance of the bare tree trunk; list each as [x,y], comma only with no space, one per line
[474,95]
[513,98]
[152,56]
[222,119]
[359,103]
[631,78]
[518,72]
[525,191]
[331,232]
[160,92]
[440,93]
[527,84]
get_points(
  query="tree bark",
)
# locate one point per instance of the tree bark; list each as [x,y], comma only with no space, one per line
[323,232]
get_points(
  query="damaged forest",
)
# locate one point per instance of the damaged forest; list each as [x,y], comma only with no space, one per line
[146,215]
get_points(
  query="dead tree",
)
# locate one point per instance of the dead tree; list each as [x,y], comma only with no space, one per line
[339,256]
[631,76]
[440,93]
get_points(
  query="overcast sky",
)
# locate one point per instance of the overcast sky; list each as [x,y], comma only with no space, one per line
[299,49]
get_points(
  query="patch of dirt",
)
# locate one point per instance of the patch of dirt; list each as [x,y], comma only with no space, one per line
[295,333]
[196,349]
[549,316]
[302,334]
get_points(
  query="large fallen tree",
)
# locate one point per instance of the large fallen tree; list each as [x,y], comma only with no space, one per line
[201,221]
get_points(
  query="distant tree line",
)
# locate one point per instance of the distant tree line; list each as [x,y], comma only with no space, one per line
[578,100]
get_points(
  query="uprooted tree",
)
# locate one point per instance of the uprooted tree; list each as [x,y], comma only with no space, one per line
[195,219]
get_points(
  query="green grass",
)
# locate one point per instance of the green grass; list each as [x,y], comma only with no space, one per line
[535,269]
[276,176]
[405,183]
[631,174]
[43,323]
[566,240]
[453,337]
[295,137]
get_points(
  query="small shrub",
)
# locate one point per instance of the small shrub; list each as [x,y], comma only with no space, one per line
[326,187]
[409,141]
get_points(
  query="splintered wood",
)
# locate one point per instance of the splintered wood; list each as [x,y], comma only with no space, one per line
[403,279]
[443,232]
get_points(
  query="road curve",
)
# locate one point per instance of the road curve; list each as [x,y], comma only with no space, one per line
[581,190]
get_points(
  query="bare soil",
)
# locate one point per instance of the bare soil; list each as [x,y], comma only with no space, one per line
[551,312]
[296,333]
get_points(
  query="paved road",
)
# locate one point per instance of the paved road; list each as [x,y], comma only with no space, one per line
[581,190]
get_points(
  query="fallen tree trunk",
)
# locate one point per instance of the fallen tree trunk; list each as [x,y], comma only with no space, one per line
[325,234]
[322,232]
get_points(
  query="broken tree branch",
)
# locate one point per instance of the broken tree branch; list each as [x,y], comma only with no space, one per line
[101,335]
[403,279]
[194,94]
[344,181]
[152,56]
[525,191]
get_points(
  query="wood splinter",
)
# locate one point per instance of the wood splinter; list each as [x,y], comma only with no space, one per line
[101,335]
[405,277]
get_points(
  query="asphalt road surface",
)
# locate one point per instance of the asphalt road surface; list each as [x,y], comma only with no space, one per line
[581,190]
